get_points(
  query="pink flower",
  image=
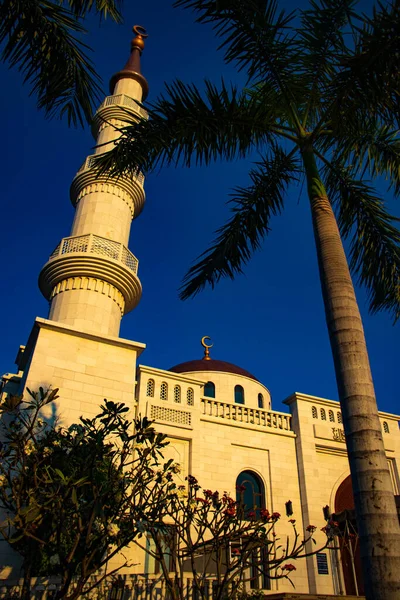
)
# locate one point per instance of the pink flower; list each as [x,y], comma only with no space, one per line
[289,567]
[276,516]
[292,521]
[311,528]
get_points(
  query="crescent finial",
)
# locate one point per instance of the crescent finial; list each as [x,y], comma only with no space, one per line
[206,347]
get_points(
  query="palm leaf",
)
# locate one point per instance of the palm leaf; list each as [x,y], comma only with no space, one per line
[321,47]
[370,148]
[39,39]
[186,126]
[369,81]
[374,238]
[255,37]
[105,8]
[252,209]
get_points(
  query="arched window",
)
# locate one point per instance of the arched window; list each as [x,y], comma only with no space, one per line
[260,401]
[209,389]
[314,412]
[385,427]
[250,493]
[331,416]
[150,388]
[239,394]
[339,417]
[323,414]
[164,391]
[177,393]
[190,396]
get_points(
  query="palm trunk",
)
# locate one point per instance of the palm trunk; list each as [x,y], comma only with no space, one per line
[377,519]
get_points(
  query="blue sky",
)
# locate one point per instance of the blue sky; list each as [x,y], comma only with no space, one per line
[269,321]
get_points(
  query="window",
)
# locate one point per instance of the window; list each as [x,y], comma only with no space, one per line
[314,412]
[385,427]
[339,417]
[164,391]
[331,416]
[260,401]
[239,394]
[322,563]
[250,495]
[323,414]
[250,492]
[209,389]
[177,393]
[161,540]
[150,388]
[190,396]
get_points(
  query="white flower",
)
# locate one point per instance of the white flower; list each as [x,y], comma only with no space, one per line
[55,560]
[47,452]
[181,492]
[113,530]
[56,443]
[29,447]
[3,480]
[40,422]
[176,468]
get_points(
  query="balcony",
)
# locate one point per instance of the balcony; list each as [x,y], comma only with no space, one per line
[244,415]
[90,162]
[124,100]
[100,246]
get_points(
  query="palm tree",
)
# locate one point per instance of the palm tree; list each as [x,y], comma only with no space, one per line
[322,102]
[39,38]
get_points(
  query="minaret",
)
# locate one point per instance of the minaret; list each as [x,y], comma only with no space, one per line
[91,277]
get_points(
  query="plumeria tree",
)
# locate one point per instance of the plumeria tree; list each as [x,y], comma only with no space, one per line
[74,496]
[203,535]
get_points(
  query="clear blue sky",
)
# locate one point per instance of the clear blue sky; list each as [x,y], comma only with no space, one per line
[269,321]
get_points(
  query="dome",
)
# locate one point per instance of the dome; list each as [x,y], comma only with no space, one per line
[210,364]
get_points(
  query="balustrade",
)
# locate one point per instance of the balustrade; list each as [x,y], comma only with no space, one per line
[244,414]
[95,244]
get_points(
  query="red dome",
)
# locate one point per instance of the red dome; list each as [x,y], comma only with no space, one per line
[211,365]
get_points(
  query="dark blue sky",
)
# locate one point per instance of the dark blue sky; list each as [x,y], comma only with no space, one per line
[269,321]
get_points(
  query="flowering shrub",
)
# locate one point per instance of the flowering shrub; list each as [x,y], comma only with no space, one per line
[204,532]
[75,496]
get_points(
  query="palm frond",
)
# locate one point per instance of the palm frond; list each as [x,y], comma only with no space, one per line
[105,8]
[252,209]
[369,80]
[186,126]
[374,238]
[371,148]
[321,47]
[39,39]
[255,37]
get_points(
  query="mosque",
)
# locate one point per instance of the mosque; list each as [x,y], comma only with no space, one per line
[218,416]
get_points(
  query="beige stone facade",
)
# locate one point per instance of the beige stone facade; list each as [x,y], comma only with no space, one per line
[218,418]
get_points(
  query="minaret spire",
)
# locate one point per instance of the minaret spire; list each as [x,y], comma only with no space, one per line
[132,68]
[91,277]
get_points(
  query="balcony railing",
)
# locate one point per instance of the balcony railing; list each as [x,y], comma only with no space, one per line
[243,414]
[95,244]
[90,162]
[124,100]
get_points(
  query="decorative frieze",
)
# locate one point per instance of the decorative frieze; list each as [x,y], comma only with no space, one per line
[91,284]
